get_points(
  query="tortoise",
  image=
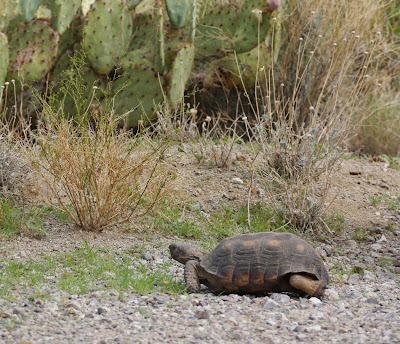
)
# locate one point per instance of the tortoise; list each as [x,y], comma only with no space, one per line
[254,263]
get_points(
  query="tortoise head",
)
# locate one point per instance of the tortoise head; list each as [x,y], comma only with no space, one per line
[185,252]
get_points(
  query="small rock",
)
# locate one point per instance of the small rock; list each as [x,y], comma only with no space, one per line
[368,275]
[315,301]
[236,336]
[376,247]
[73,304]
[280,298]
[101,310]
[384,186]
[353,279]
[350,243]
[201,314]
[237,181]
[201,336]
[315,328]
[303,302]
[396,262]
[301,336]
[198,207]
[18,311]
[146,256]
[382,239]
[5,315]
[331,295]
[368,259]
[372,300]
[260,192]
[271,304]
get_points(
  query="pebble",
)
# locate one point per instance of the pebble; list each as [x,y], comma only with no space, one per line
[237,181]
[353,279]
[315,301]
[350,243]
[331,294]
[376,247]
[280,298]
[271,304]
[146,256]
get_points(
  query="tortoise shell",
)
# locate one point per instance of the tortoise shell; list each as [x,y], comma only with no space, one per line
[252,263]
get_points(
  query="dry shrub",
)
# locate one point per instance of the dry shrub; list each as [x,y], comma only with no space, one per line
[98,174]
[307,104]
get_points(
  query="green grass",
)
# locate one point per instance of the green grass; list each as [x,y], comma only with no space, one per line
[81,271]
[392,202]
[15,220]
[359,233]
[227,221]
[335,222]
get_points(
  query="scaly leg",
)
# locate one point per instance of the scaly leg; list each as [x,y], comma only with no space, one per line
[191,276]
[307,284]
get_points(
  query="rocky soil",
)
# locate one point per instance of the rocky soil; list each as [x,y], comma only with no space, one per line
[361,305]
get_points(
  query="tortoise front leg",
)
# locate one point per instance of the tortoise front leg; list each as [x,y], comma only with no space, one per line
[307,284]
[191,276]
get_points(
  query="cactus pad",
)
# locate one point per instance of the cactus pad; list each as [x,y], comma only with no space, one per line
[254,24]
[33,48]
[214,32]
[63,13]
[9,10]
[177,11]
[4,57]
[29,8]
[142,94]
[136,57]
[107,33]
[181,68]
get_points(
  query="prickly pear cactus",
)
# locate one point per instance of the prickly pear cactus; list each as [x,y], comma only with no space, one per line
[254,23]
[63,13]
[181,68]
[9,10]
[214,32]
[177,11]
[29,8]
[107,33]
[4,57]
[142,94]
[136,57]
[33,49]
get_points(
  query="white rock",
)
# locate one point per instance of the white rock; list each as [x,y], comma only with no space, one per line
[237,181]
[382,239]
[315,301]
[331,294]
[368,275]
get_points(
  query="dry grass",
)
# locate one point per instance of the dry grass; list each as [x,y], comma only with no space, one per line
[307,104]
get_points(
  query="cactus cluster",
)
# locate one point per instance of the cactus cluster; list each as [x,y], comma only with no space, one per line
[151,46]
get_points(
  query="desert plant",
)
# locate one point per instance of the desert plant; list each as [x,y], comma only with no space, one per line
[306,106]
[108,175]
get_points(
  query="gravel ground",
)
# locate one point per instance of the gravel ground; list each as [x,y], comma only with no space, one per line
[357,308]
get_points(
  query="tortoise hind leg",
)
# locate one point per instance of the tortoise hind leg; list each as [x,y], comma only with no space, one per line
[191,276]
[310,286]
